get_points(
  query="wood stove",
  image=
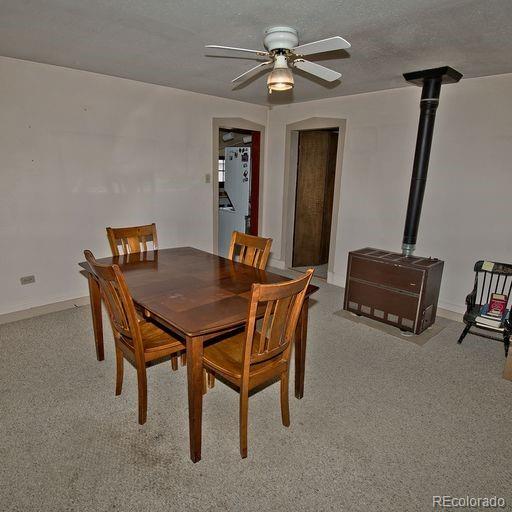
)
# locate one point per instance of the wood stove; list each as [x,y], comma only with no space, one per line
[394,288]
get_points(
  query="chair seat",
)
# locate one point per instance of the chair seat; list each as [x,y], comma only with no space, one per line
[471,314]
[470,317]
[155,339]
[225,357]
[490,327]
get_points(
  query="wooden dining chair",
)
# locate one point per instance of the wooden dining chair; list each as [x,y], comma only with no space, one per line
[138,341]
[261,353]
[250,250]
[132,239]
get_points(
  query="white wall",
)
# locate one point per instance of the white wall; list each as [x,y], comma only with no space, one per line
[81,151]
[466,212]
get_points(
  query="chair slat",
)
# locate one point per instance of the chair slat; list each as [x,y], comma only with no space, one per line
[249,256]
[132,239]
[505,279]
[489,287]
[134,244]
[253,250]
[280,317]
[483,288]
[265,327]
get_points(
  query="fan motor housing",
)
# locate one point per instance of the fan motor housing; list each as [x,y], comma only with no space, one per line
[277,38]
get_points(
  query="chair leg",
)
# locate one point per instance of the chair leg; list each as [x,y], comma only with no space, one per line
[174,363]
[463,334]
[506,342]
[142,384]
[285,407]
[205,387]
[183,359]
[119,371]
[244,411]
[211,380]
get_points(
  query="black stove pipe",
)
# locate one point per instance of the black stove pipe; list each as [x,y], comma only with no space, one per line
[431,81]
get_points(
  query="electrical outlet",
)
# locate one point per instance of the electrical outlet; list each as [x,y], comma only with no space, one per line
[28,279]
[207,178]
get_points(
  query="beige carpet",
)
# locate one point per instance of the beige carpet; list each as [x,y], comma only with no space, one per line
[419,339]
[320,270]
[384,425]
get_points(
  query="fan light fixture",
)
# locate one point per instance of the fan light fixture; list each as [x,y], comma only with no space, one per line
[281,77]
[280,80]
[283,54]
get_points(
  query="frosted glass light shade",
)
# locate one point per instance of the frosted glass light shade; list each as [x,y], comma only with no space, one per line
[280,79]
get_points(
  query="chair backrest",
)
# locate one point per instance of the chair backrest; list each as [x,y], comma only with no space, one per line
[118,300]
[133,239]
[250,250]
[272,337]
[492,277]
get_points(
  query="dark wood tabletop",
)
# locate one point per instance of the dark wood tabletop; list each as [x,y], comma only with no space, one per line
[191,291]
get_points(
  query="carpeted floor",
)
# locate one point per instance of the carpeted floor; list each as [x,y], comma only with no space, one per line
[384,425]
[420,339]
[320,270]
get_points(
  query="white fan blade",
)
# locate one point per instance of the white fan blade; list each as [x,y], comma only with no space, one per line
[250,71]
[260,53]
[324,45]
[315,69]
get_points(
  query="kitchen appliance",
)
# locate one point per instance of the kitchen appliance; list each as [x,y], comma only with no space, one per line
[235,216]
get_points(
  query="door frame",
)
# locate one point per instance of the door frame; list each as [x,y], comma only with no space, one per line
[233,123]
[290,184]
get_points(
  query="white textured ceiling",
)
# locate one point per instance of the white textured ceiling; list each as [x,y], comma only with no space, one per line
[162,42]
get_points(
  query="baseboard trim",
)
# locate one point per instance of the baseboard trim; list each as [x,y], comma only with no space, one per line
[23,314]
[274,262]
[451,315]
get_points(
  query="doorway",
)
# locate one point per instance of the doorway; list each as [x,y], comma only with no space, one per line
[238,184]
[316,155]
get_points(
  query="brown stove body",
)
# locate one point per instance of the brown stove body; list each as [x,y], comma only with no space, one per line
[394,289]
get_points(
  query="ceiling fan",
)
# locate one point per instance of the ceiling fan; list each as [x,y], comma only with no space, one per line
[283,55]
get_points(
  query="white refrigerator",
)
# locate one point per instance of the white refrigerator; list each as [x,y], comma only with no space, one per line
[237,186]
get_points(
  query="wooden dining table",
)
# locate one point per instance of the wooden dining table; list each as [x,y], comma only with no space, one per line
[198,296]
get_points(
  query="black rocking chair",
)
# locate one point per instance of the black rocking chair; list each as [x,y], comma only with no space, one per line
[487,282]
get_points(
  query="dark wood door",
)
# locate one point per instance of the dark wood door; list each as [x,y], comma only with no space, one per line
[254,201]
[314,196]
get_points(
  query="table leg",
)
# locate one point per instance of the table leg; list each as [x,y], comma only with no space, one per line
[195,394]
[507,371]
[95,298]
[300,349]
